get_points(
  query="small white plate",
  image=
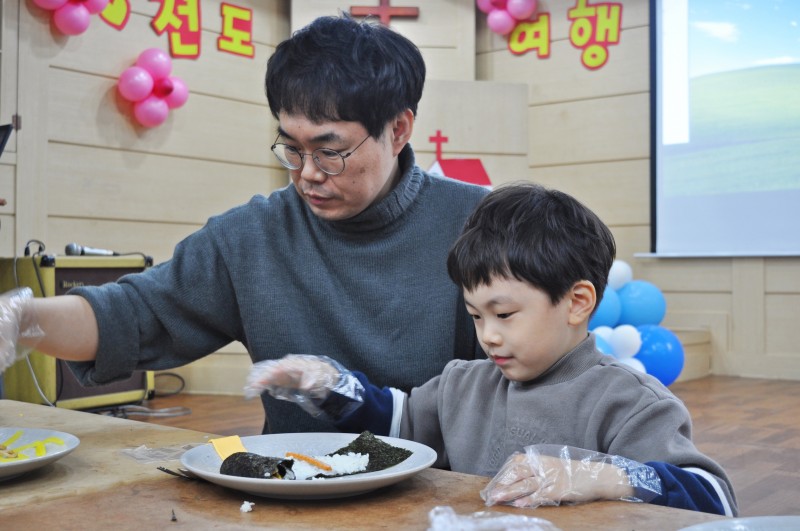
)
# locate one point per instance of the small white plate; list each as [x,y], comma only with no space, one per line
[753,523]
[205,462]
[54,450]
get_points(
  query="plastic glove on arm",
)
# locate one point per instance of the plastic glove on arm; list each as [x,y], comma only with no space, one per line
[19,329]
[318,384]
[553,474]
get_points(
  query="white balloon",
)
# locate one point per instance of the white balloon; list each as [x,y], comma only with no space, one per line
[603,331]
[625,340]
[634,363]
[619,274]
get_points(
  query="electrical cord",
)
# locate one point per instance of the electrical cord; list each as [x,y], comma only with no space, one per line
[134,410]
[148,260]
[33,256]
[142,411]
[171,375]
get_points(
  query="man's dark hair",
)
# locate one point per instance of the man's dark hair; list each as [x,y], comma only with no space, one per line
[339,69]
[544,237]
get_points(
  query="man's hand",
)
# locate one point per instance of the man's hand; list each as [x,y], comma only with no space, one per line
[19,331]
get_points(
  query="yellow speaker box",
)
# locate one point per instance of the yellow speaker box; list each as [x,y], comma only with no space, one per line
[50,275]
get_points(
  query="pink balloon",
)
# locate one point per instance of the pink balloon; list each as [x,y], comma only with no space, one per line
[156,61]
[163,87]
[485,6]
[521,9]
[501,22]
[72,18]
[135,84]
[179,94]
[498,4]
[95,6]
[151,111]
[50,5]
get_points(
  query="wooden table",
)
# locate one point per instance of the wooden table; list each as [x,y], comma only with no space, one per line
[99,487]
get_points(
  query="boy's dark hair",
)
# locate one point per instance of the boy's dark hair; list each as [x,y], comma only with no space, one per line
[544,237]
[339,69]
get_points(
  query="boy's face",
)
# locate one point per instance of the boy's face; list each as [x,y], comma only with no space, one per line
[369,174]
[521,330]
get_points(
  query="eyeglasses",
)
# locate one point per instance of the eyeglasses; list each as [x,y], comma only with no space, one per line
[329,161]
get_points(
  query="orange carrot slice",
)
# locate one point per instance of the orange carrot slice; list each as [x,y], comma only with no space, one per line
[310,460]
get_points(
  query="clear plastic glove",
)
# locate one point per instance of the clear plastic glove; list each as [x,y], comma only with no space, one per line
[17,322]
[444,518]
[550,474]
[318,384]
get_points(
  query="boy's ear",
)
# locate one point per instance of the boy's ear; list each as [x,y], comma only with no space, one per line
[583,298]
[402,127]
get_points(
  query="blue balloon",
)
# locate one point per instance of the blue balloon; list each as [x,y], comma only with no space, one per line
[608,312]
[603,346]
[661,353]
[642,303]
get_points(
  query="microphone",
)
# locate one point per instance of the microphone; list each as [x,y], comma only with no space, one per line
[73,249]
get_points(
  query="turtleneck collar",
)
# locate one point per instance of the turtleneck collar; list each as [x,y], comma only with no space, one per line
[395,204]
[572,364]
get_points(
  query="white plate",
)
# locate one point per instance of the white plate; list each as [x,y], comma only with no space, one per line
[54,451]
[754,523]
[205,462]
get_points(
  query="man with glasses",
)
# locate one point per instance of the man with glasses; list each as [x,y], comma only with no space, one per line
[349,261]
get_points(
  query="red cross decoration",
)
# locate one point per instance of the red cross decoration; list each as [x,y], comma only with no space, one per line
[384,11]
[438,140]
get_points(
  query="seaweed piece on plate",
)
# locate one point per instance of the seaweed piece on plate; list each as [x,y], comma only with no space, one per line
[382,455]
[250,465]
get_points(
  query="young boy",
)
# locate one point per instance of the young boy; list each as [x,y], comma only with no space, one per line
[533,264]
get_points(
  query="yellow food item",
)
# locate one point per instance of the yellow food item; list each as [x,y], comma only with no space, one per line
[226,446]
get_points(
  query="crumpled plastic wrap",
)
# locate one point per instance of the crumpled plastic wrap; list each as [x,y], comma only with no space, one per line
[444,518]
[145,455]
[550,474]
[320,385]
[17,321]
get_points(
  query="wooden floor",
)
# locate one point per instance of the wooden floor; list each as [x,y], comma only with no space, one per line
[750,426]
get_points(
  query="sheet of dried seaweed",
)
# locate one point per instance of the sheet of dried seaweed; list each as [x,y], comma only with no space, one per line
[382,455]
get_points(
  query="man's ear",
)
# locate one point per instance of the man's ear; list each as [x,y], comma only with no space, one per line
[402,127]
[583,298]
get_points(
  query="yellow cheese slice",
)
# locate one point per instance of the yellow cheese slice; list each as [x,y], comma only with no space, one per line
[227,446]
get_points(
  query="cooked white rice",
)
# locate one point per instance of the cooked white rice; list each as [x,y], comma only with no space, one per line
[340,465]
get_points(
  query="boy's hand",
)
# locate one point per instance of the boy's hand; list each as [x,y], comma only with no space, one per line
[19,331]
[552,474]
[318,384]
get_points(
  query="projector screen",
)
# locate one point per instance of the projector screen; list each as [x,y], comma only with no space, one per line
[725,119]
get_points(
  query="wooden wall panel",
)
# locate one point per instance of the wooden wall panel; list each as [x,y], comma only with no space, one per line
[711,275]
[589,136]
[617,191]
[635,14]
[114,184]
[215,72]
[219,129]
[9,37]
[7,190]
[444,31]
[782,313]
[562,77]
[782,275]
[548,120]
[589,130]
[477,117]
[154,239]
